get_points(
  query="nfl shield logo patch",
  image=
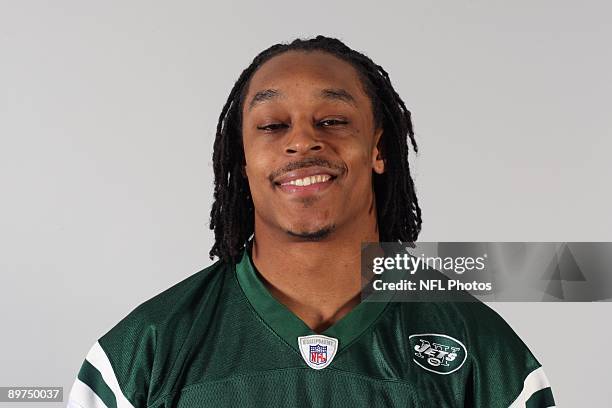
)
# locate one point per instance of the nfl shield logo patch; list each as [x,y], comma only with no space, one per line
[318,354]
[317,350]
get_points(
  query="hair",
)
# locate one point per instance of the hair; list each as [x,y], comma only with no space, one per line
[398,211]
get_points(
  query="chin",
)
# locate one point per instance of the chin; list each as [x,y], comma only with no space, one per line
[312,234]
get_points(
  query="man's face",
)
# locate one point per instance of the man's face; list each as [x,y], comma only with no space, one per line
[310,144]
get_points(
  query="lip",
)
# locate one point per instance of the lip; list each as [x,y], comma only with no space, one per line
[304,191]
[306,172]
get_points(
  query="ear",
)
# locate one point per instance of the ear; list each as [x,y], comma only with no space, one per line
[378,161]
[243,171]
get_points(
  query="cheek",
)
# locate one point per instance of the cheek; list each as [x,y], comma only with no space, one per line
[255,170]
[359,163]
[260,163]
[358,153]
[359,159]
[255,156]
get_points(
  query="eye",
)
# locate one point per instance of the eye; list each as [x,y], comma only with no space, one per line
[271,127]
[332,122]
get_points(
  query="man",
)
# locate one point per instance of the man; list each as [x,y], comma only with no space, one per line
[310,160]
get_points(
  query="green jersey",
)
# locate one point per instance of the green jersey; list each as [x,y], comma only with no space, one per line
[220,339]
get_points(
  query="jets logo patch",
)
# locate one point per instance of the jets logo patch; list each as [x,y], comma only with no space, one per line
[317,350]
[437,353]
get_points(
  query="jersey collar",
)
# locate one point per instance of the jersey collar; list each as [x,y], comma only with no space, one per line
[288,326]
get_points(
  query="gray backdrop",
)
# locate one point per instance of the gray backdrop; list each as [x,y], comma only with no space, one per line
[107,117]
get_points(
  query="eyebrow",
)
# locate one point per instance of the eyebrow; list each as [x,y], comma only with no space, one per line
[338,94]
[263,96]
[335,94]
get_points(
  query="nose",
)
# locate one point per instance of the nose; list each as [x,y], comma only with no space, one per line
[302,139]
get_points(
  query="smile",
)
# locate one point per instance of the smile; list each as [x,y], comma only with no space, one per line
[306,181]
[309,180]
[306,186]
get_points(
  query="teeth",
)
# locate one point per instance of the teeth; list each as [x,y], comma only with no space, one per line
[306,181]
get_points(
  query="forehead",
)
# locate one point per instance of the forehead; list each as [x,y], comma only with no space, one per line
[306,69]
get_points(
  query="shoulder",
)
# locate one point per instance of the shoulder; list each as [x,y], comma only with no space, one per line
[500,367]
[473,320]
[126,365]
[491,337]
[484,332]
[172,305]
[161,324]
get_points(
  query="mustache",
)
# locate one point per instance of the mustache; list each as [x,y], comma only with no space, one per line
[308,162]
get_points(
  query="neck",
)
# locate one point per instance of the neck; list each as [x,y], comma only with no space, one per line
[319,281]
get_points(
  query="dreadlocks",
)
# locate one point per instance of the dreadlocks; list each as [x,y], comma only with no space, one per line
[398,211]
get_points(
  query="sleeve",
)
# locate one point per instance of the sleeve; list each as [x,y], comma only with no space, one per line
[118,368]
[504,372]
[536,392]
[133,364]
[96,385]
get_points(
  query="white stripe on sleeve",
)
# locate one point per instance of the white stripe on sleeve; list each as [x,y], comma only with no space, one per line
[81,396]
[534,382]
[97,357]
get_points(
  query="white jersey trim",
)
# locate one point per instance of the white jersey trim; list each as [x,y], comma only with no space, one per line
[534,382]
[86,397]
[81,396]
[97,357]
